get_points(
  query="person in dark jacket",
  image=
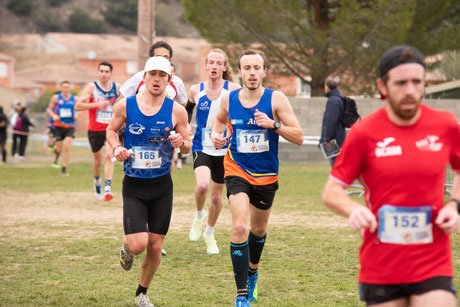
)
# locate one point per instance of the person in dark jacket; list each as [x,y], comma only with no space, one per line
[332,128]
[21,129]
[3,134]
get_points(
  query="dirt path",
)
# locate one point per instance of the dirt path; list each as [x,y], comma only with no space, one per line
[64,209]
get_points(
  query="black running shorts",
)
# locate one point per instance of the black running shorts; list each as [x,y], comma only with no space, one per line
[260,196]
[96,140]
[374,294]
[214,163]
[147,204]
[60,133]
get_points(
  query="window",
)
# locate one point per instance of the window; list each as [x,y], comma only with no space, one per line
[131,67]
[303,88]
[3,70]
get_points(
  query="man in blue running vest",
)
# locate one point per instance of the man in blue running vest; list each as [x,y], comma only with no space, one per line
[147,150]
[256,117]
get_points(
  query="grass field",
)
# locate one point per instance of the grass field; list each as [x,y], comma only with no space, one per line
[59,246]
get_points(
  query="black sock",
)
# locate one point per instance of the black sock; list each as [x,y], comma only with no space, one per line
[256,245]
[140,290]
[63,170]
[4,155]
[252,272]
[240,260]
[241,293]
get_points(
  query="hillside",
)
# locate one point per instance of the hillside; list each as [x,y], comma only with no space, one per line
[89,16]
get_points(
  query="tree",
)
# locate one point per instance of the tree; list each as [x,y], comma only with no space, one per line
[324,37]
[80,21]
[21,7]
[122,13]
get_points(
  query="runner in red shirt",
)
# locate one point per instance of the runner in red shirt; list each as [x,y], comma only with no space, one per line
[400,153]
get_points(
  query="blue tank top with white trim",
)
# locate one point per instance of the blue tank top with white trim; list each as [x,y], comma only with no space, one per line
[206,110]
[65,108]
[148,136]
[253,148]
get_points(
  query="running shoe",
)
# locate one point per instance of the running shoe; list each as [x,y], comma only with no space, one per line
[126,258]
[142,300]
[98,189]
[242,301]
[211,244]
[64,173]
[197,228]
[55,165]
[252,287]
[108,195]
[163,252]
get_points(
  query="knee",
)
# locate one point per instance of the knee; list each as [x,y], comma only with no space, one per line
[202,187]
[137,247]
[155,247]
[259,230]
[240,230]
[216,199]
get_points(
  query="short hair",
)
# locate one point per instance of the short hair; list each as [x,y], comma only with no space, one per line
[64,82]
[104,64]
[331,83]
[250,52]
[161,44]
[228,74]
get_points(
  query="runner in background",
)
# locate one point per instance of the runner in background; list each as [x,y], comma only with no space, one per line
[62,109]
[98,98]
[208,161]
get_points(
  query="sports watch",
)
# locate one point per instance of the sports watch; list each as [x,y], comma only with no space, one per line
[458,203]
[276,125]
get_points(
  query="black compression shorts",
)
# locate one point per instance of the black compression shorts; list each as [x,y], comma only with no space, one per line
[147,204]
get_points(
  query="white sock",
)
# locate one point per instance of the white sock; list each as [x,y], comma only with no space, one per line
[209,231]
[199,214]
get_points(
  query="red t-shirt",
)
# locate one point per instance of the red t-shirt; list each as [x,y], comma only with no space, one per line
[401,166]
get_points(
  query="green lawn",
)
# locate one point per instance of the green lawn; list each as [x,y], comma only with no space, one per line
[59,246]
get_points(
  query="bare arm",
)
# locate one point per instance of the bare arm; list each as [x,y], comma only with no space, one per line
[336,199]
[282,111]
[448,219]
[181,139]
[51,105]
[118,119]
[83,103]
[219,123]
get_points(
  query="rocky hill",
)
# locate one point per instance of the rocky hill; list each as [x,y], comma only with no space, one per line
[89,16]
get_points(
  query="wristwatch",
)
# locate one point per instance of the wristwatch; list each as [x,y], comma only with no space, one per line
[276,125]
[456,201]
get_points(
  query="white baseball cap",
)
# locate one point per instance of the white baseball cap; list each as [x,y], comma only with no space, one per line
[158,63]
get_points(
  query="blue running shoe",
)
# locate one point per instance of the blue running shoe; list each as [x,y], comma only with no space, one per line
[242,301]
[252,287]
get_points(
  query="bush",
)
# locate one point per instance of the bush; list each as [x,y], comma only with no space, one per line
[48,22]
[21,7]
[122,13]
[81,21]
[56,3]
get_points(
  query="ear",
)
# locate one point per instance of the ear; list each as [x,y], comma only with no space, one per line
[382,87]
[225,68]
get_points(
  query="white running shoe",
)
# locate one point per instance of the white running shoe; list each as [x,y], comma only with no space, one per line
[197,228]
[142,300]
[163,252]
[211,244]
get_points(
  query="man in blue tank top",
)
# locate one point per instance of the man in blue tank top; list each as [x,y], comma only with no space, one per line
[62,110]
[148,144]
[256,117]
[208,161]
